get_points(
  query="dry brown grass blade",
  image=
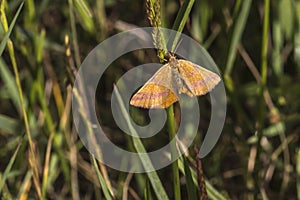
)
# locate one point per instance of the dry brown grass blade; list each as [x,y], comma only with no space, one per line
[35,168]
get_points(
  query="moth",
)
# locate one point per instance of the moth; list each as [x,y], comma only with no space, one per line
[176,77]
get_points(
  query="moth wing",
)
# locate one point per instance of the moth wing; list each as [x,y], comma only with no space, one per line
[197,79]
[157,92]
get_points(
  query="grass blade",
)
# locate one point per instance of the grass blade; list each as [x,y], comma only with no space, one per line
[85,15]
[262,107]
[11,26]
[298,172]
[212,192]
[172,134]
[152,175]
[10,164]
[10,85]
[147,191]
[237,34]
[297,37]
[287,17]
[190,186]
[181,19]
[9,125]
[101,179]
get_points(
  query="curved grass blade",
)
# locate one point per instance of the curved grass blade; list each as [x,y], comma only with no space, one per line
[10,164]
[7,34]
[10,85]
[139,147]
[101,179]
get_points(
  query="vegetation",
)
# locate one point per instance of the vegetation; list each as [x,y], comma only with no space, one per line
[256,45]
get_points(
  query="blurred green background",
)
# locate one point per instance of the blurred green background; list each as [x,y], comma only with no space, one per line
[255,44]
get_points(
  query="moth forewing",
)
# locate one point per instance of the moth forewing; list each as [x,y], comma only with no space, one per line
[158,91]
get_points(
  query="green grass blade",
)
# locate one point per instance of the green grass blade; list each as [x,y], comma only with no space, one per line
[211,191]
[74,34]
[287,17]
[10,84]
[84,7]
[85,15]
[236,7]
[39,45]
[183,15]
[7,34]
[9,125]
[261,114]
[298,171]
[101,179]
[278,42]
[10,164]
[190,186]
[237,34]
[152,175]
[297,37]
[200,19]
[172,134]
[181,19]
[147,191]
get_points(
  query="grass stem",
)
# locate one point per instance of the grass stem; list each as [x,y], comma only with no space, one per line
[174,153]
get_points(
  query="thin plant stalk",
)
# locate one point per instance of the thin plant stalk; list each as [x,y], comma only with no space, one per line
[172,133]
[11,51]
[262,107]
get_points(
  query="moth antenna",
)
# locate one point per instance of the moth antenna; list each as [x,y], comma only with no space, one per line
[177,45]
[172,54]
